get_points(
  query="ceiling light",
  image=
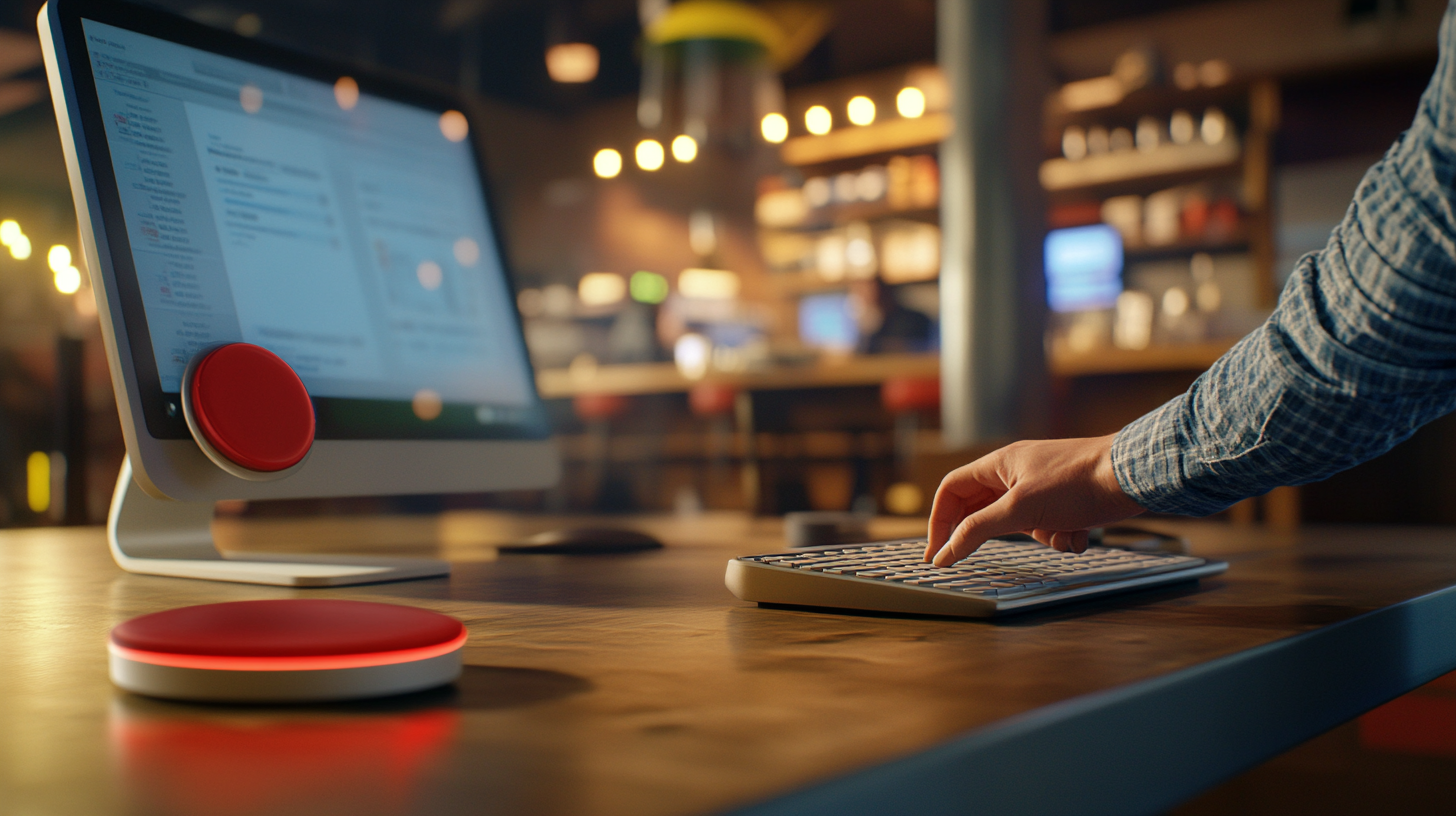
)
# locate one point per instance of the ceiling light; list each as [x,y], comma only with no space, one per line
[573,62]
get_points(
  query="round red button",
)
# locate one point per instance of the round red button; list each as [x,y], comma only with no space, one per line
[290,628]
[252,408]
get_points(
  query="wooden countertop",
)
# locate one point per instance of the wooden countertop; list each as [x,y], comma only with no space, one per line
[664,378]
[638,685]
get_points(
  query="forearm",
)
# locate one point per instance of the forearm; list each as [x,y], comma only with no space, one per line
[1360,352]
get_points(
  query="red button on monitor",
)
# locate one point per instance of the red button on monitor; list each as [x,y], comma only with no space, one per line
[286,650]
[251,408]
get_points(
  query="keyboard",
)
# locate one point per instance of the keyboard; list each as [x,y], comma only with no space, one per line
[1000,577]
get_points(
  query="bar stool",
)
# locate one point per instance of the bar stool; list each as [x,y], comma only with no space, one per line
[598,411]
[715,403]
[725,406]
[907,399]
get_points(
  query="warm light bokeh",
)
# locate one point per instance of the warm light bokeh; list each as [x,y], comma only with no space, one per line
[454,125]
[775,128]
[346,92]
[684,148]
[601,288]
[572,62]
[650,154]
[607,163]
[818,120]
[910,102]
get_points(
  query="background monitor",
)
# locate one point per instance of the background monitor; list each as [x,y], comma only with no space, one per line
[826,321]
[228,191]
[1083,268]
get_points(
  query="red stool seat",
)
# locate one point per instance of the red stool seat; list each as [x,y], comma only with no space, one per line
[901,395]
[599,406]
[711,399]
[247,405]
[286,650]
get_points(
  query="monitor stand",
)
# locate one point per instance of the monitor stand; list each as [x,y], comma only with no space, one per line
[157,537]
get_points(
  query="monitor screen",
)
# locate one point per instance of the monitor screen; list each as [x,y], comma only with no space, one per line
[827,321]
[1083,268]
[345,231]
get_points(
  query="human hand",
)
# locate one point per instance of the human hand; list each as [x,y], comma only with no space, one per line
[1053,490]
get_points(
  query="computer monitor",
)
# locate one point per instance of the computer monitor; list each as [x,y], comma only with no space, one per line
[228,190]
[1083,268]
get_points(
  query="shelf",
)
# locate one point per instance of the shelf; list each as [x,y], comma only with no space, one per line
[852,142]
[664,378]
[1157,100]
[1127,165]
[1144,252]
[1062,362]
[870,213]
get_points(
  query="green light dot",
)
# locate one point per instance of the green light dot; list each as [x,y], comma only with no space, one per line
[648,287]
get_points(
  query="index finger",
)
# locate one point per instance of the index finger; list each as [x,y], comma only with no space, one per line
[960,494]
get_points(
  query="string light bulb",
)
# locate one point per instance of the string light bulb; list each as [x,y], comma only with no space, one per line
[861,110]
[650,155]
[818,120]
[684,148]
[775,128]
[607,163]
[910,102]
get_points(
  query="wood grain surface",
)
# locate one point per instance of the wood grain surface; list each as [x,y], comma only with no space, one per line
[623,684]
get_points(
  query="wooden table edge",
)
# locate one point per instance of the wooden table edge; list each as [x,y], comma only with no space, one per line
[1149,746]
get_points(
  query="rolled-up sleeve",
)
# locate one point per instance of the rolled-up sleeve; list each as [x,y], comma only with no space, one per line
[1360,351]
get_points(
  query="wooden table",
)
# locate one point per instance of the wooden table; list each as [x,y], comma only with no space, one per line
[665,378]
[637,685]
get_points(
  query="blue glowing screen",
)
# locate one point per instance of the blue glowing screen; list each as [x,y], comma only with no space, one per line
[1083,268]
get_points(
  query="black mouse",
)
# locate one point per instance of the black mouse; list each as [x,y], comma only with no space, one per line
[584,541]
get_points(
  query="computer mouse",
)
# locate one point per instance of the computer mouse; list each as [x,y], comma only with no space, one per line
[584,541]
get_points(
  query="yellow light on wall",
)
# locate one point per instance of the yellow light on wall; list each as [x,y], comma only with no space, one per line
[59,257]
[650,154]
[910,102]
[708,284]
[573,62]
[68,280]
[775,128]
[14,239]
[346,92]
[861,110]
[601,288]
[67,276]
[38,482]
[684,148]
[607,163]
[818,120]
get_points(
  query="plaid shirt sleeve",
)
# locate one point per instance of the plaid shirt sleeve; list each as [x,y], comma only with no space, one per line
[1360,351]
